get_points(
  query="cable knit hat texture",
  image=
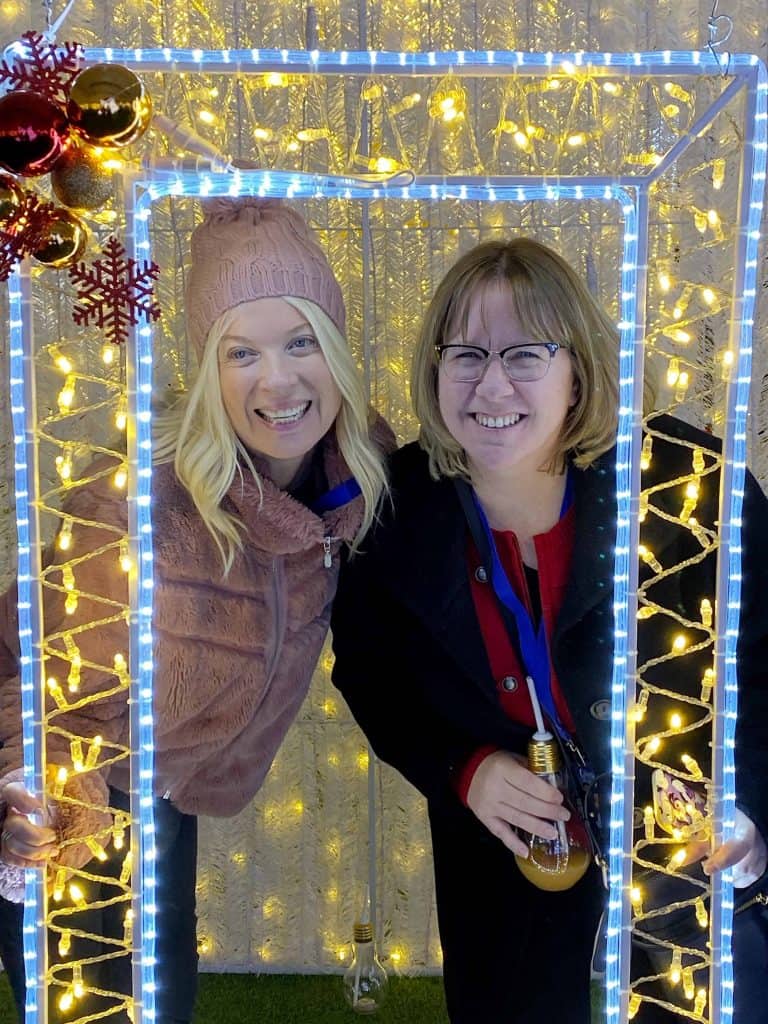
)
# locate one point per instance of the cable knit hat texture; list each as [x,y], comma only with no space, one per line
[249,248]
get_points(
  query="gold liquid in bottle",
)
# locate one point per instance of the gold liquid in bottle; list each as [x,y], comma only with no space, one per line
[553,865]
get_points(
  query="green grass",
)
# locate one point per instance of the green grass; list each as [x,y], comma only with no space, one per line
[296,999]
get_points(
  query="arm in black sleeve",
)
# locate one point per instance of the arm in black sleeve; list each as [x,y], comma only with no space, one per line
[384,661]
[752,661]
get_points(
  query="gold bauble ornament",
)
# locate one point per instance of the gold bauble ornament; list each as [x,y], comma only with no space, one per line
[11,199]
[80,181]
[64,241]
[109,106]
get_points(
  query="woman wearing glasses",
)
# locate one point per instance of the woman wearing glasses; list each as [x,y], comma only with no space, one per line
[496,567]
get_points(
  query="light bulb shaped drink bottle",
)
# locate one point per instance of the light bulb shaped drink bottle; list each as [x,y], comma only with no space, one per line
[559,863]
[365,980]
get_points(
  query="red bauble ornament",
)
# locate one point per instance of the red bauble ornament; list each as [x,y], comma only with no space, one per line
[33,133]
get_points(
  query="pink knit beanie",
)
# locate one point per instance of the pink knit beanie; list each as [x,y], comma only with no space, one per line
[249,248]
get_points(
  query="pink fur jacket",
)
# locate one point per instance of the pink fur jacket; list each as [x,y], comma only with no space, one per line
[233,657]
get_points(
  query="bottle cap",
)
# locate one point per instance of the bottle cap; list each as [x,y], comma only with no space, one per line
[544,755]
[362,932]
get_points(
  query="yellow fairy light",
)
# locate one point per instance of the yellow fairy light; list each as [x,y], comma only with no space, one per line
[77,981]
[646,612]
[329,707]
[66,395]
[65,942]
[62,362]
[64,466]
[126,564]
[676,967]
[262,134]
[646,452]
[707,683]
[638,711]
[77,895]
[675,721]
[700,1002]
[73,678]
[112,163]
[121,669]
[673,372]
[665,282]
[577,139]
[118,832]
[718,173]
[98,851]
[698,460]
[58,884]
[568,67]
[363,760]
[706,613]
[713,218]
[128,927]
[728,361]
[341,953]
[678,335]
[121,416]
[677,92]
[689,987]
[642,512]
[206,116]
[66,1000]
[653,745]
[108,354]
[56,692]
[680,643]
[700,221]
[64,540]
[649,558]
[522,140]
[93,752]
[385,165]
[649,822]
[311,134]
[60,782]
[125,871]
[121,478]
[708,295]
[702,917]
[692,766]
[670,110]
[677,859]
[70,604]
[634,1005]
[677,312]
[68,577]
[297,807]
[682,385]
[636,898]
[406,103]
[76,754]
[612,88]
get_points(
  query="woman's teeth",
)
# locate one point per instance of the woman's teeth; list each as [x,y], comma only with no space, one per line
[284,415]
[497,421]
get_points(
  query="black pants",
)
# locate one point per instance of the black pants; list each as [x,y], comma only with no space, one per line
[176,947]
[511,953]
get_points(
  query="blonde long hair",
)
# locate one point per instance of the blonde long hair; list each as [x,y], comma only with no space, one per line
[197,436]
[552,301]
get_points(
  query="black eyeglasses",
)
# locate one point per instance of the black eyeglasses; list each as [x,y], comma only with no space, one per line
[467,363]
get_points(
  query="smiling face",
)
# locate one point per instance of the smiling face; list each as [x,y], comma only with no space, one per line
[276,386]
[505,426]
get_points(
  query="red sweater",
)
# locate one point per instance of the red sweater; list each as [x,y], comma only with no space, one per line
[553,551]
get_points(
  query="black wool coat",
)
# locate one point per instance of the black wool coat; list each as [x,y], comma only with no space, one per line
[410,658]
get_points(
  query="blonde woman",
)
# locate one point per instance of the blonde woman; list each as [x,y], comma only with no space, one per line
[266,468]
[495,565]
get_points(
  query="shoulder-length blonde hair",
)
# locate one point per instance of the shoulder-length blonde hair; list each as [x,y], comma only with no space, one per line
[555,305]
[197,436]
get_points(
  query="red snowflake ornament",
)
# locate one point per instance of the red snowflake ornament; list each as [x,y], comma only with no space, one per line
[114,292]
[40,66]
[25,234]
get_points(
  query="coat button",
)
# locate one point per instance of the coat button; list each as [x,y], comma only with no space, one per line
[481,575]
[601,710]
[509,683]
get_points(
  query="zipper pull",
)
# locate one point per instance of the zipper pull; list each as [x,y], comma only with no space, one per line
[327,556]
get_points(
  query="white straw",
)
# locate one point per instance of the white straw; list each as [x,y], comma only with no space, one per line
[536,706]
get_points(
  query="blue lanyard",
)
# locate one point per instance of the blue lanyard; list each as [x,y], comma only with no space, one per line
[534,649]
[339,495]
